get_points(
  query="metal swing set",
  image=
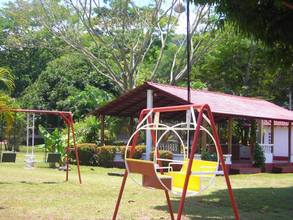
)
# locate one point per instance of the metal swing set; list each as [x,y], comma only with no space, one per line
[195,175]
[68,120]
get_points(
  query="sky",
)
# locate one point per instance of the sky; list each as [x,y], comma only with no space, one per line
[181,29]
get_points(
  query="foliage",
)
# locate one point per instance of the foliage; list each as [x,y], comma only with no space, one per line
[87,130]
[105,156]
[86,154]
[54,141]
[83,102]
[25,48]
[139,150]
[207,155]
[163,154]
[60,85]
[258,156]
[270,21]
[6,86]
[241,66]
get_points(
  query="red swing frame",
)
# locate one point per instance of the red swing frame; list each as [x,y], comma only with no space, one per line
[200,109]
[68,119]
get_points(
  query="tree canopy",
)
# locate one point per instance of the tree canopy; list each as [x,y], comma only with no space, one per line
[268,20]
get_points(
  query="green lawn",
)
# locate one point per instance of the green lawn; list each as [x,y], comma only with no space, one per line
[41,193]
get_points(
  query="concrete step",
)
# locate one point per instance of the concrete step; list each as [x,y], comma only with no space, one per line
[245,170]
[283,169]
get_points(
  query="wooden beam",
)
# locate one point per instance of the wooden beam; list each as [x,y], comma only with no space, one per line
[272,134]
[102,119]
[289,141]
[230,123]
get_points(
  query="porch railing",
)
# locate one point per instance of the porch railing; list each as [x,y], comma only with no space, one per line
[268,150]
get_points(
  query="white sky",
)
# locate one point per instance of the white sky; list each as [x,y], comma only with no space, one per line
[181,29]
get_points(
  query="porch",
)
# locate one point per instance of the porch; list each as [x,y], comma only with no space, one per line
[230,109]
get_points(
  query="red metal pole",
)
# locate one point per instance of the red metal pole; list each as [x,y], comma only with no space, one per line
[188,172]
[134,141]
[169,205]
[75,148]
[120,195]
[67,149]
[228,183]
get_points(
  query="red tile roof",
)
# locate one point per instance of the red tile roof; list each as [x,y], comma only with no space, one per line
[220,103]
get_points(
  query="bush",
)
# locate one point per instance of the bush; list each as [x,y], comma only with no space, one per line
[139,150]
[105,156]
[86,154]
[206,155]
[258,156]
[87,130]
[164,154]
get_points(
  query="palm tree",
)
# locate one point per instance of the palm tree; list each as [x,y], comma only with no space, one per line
[6,86]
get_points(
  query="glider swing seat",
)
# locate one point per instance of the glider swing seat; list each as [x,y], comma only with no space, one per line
[195,176]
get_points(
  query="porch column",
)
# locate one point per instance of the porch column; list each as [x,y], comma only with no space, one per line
[259,131]
[130,127]
[290,157]
[272,135]
[148,132]
[230,123]
[102,134]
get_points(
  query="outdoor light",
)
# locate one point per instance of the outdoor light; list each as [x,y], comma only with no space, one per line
[179,7]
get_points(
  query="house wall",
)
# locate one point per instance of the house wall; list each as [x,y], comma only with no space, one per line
[281,140]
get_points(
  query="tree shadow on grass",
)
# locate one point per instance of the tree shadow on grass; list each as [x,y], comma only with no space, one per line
[30,183]
[253,203]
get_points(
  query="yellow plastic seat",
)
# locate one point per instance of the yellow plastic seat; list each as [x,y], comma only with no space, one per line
[204,168]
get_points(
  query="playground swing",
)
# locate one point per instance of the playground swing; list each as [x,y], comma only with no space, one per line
[195,176]
[67,117]
[30,159]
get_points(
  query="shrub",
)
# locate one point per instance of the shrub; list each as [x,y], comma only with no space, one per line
[164,154]
[87,130]
[105,156]
[86,154]
[207,155]
[258,156]
[139,150]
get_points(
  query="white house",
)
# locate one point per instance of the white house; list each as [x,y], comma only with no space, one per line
[279,144]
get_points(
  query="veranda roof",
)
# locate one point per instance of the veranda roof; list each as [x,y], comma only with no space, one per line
[132,102]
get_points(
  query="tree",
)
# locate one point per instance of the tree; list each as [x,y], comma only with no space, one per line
[6,86]
[244,66]
[25,49]
[269,20]
[117,37]
[62,84]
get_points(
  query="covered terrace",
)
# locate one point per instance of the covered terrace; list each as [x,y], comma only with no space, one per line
[224,106]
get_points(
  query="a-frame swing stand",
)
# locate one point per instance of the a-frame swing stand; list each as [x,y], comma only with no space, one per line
[143,168]
[68,120]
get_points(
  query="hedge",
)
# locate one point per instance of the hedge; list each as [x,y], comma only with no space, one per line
[139,150]
[105,156]
[86,153]
[164,154]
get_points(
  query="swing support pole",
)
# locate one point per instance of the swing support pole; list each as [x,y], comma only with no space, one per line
[200,109]
[68,119]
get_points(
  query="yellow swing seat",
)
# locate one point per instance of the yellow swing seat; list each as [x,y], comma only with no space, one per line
[204,168]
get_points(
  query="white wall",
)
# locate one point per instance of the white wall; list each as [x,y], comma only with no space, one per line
[281,140]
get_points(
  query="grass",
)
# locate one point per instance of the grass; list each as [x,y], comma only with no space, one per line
[41,193]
